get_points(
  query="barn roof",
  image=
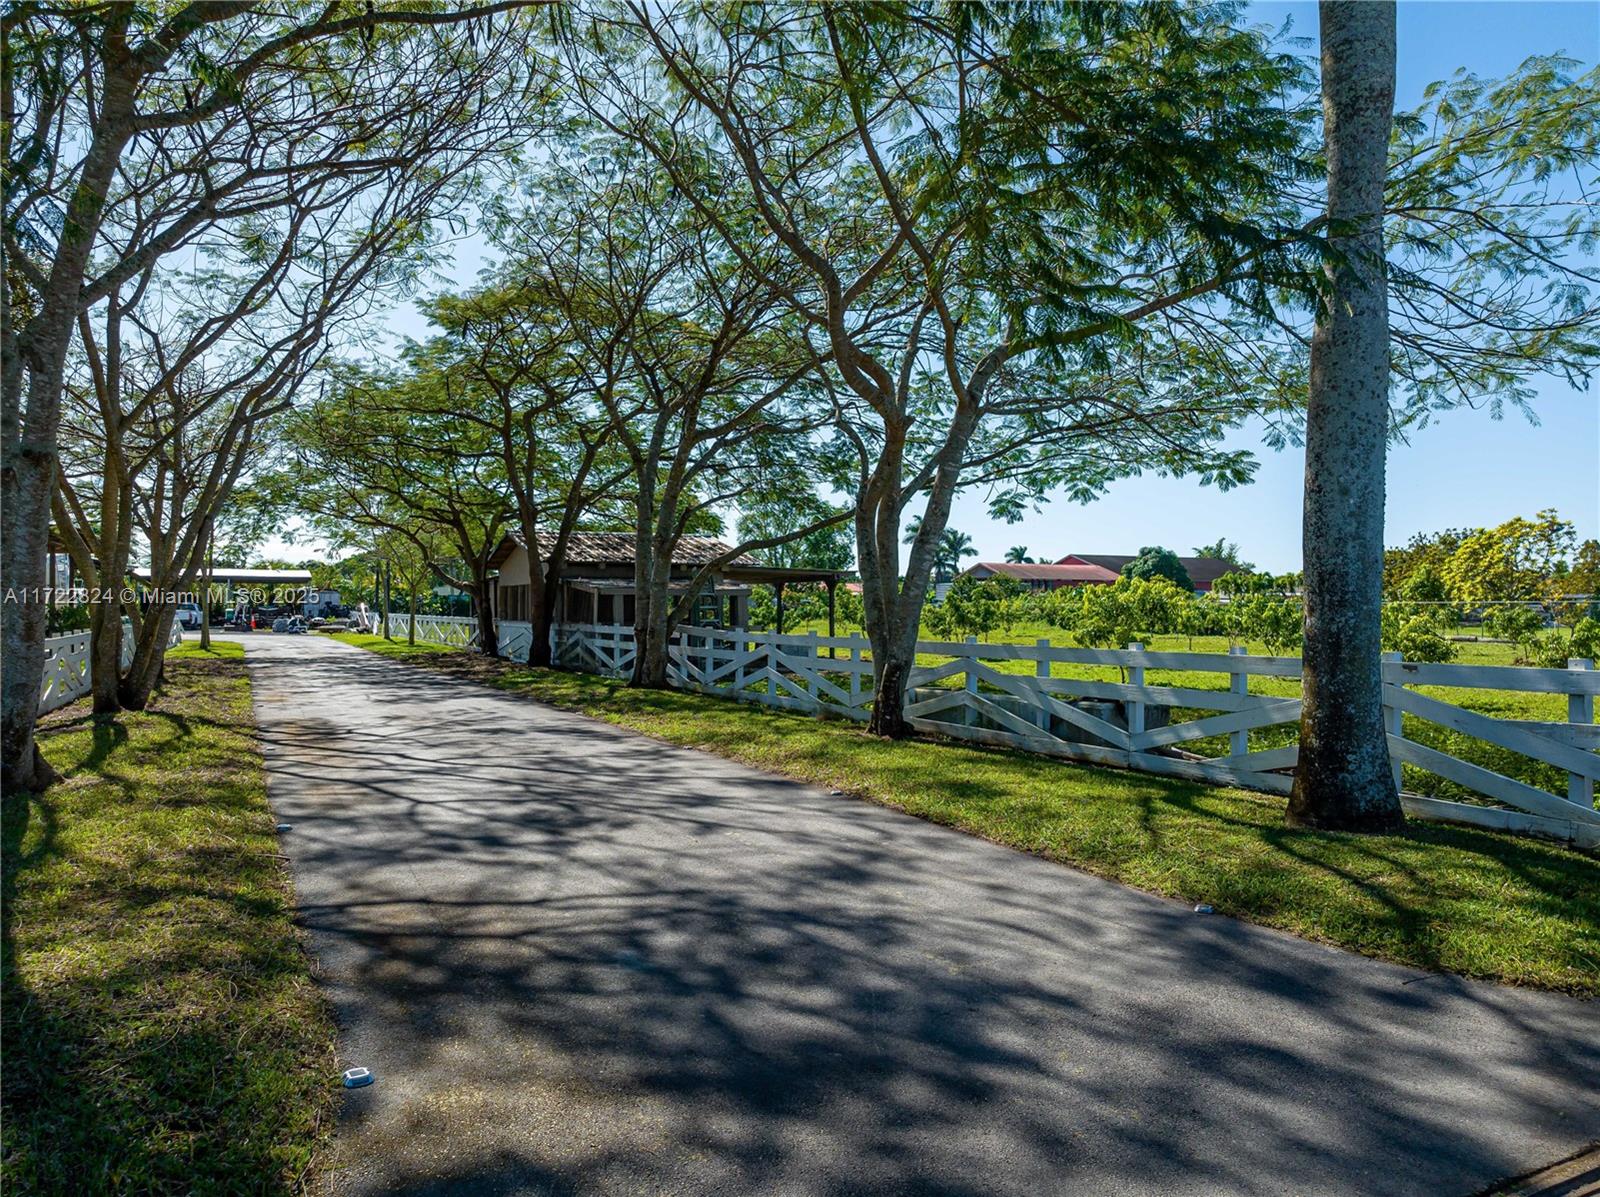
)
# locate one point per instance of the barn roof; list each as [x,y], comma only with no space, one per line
[1035,572]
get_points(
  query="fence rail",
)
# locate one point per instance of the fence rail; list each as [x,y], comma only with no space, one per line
[66,665]
[457,632]
[1152,728]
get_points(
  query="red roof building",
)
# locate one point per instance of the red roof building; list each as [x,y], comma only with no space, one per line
[1044,577]
[1202,571]
[1092,569]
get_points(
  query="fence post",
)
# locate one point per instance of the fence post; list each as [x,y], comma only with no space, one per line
[1392,721]
[1580,709]
[1238,683]
[1042,669]
[855,669]
[970,712]
[1135,678]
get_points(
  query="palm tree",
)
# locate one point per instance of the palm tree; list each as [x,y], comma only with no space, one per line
[953,546]
[1018,555]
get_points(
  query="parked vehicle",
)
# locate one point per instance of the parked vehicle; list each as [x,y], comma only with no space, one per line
[189,616]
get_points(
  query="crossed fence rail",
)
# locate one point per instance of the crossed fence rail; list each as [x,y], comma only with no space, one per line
[449,630]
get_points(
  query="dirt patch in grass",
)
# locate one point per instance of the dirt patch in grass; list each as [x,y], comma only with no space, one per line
[163,1033]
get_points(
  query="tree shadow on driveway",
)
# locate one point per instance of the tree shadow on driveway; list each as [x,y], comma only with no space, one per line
[582,961]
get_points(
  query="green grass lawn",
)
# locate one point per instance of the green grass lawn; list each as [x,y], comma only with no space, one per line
[220,649]
[1449,898]
[162,1030]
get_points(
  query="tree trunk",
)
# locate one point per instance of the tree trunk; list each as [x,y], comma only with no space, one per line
[542,615]
[149,657]
[881,600]
[889,679]
[1343,780]
[650,658]
[488,636]
[28,440]
[105,655]
[652,625]
[540,593]
[205,590]
[893,612]
[388,604]
[106,551]
[29,476]
[411,609]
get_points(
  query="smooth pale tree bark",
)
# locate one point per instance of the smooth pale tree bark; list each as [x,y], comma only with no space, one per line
[1343,780]
[28,460]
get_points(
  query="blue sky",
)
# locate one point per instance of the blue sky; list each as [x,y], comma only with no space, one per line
[1465,470]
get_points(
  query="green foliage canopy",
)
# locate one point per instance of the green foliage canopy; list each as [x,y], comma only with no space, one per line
[1154,561]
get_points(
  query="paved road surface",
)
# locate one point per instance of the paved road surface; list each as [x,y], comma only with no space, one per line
[583,962]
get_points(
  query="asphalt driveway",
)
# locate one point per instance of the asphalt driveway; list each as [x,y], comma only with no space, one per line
[580,961]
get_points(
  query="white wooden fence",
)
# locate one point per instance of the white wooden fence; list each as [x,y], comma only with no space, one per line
[458,632]
[66,665]
[1147,727]
[450,630]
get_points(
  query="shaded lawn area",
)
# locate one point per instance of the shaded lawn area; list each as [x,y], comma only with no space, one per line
[1450,898]
[162,1030]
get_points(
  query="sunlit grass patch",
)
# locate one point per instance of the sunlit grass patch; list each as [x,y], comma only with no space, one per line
[390,648]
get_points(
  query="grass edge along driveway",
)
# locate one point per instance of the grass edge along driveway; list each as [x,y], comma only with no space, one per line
[163,1033]
[1451,899]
